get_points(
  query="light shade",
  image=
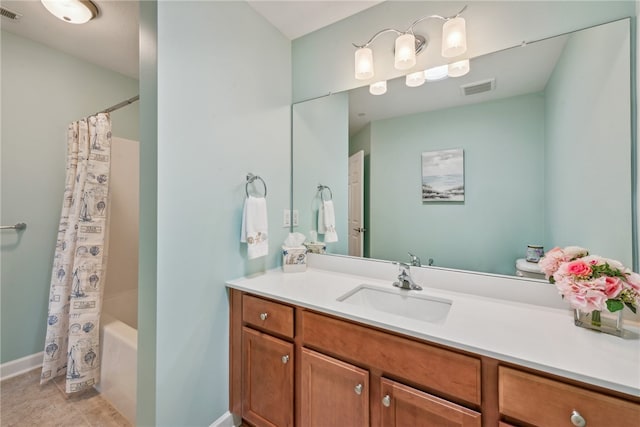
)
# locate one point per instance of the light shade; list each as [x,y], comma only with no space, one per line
[454,38]
[364,63]
[436,73]
[378,88]
[72,11]
[415,79]
[405,57]
[458,69]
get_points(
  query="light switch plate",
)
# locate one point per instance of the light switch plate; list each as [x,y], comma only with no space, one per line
[286,218]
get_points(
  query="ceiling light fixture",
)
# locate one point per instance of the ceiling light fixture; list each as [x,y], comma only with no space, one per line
[72,11]
[408,45]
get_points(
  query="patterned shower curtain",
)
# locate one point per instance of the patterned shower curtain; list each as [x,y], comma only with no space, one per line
[79,265]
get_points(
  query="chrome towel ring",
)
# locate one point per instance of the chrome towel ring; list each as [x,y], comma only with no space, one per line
[18,226]
[321,189]
[250,179]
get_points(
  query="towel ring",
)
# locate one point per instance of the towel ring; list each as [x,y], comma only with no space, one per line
[321,189]
[250,178]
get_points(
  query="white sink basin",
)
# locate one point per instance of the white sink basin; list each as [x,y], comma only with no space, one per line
[399,302]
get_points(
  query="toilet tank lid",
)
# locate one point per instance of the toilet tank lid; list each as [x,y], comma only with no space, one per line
[531,267]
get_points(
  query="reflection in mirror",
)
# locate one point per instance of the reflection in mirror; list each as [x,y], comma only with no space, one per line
[547,156]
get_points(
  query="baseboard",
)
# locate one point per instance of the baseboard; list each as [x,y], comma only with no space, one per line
[227,420]
[20,366]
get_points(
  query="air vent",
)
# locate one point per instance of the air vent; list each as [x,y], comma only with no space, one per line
[478,87]
[6,13]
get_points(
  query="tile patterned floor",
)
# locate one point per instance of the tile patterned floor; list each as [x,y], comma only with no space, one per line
[24,403]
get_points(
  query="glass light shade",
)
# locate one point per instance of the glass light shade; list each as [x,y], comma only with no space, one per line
[378,88]
[415,79]
[364,63]
[454,38]
[459,69]
[436,73]
[71,11]
[405,52]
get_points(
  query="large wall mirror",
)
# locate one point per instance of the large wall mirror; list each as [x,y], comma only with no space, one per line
[547,157]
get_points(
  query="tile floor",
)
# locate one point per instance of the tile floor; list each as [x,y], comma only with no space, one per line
[24,403]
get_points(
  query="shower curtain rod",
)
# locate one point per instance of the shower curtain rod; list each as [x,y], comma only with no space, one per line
[120,105]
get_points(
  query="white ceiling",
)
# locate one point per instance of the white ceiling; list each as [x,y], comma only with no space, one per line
[111,40]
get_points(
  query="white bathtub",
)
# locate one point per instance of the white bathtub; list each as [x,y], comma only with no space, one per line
[119,354]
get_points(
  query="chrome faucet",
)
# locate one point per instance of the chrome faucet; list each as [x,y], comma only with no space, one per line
[404,278]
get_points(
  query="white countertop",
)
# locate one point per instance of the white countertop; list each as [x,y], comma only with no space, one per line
[539,336]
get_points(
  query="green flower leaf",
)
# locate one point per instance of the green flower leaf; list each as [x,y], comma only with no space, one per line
[630,307]
[614,305]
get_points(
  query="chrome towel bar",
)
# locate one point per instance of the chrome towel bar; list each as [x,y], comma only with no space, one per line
[18,226]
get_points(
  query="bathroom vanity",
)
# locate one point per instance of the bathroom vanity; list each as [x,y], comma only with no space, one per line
[304,353]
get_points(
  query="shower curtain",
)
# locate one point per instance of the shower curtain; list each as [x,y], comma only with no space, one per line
[79,264]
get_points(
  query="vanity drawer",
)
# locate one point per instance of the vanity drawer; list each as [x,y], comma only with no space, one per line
[544,402]
[454,375]
[268,316]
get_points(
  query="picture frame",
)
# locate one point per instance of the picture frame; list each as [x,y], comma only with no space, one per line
[443,175]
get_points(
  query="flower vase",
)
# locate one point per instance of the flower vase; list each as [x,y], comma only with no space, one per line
[602,321]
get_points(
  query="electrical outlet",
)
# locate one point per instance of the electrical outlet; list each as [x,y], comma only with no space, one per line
[286,218]
[295,217]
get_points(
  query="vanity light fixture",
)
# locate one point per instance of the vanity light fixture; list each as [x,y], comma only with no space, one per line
[415,79]
[458,69]
[72,11]
[408,45]
[378,88]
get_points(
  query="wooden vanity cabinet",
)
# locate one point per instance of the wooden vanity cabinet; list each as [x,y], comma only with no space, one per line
[292,366]
[406,406]
[332,392]
[529,399]
[267,372]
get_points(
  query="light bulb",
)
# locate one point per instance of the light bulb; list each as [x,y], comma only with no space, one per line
[458,69]
[454,38]
[378,88]
[415,79]
[405,56]
[364,63]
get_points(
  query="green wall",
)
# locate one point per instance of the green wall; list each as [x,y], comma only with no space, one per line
[589,129]
[42,91]
[223,110]
[503,207]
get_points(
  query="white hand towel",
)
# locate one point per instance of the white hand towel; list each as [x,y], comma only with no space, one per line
[327,221]
[254,227]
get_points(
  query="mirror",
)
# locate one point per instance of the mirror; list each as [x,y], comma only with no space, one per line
[547,156]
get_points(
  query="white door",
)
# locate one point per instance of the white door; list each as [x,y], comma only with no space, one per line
[356,204]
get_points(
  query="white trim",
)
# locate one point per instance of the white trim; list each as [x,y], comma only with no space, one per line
[227,420]
[20,366]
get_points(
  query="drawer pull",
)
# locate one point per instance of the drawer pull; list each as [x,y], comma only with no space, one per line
[577,419]
[386,401]
[358,389]
[263,316]
[285,359]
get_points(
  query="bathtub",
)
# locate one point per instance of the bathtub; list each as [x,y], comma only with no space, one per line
[118,351]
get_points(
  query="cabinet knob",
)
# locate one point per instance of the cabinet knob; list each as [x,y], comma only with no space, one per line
[263,316]
[285,359]
[386,401]
[358,389]
[577,419]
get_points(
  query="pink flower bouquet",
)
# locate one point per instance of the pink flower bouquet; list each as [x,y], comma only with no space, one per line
[590,282]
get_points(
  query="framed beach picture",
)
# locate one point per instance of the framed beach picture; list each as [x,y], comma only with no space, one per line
[443,176]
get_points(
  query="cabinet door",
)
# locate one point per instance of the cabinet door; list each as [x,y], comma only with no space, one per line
[267,374]
[333,393]
[406,406]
